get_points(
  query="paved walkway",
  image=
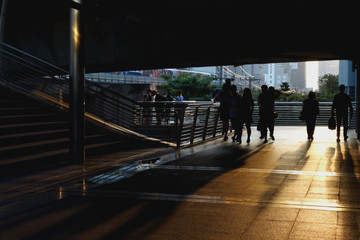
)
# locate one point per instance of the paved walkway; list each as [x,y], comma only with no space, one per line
[287,189]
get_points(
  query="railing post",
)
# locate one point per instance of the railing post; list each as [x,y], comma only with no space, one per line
[216,122]
[179,127]
[206,123]
[194,126]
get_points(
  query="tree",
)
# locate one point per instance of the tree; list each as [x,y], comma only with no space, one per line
[285,87]
[328,87]
[194,87]
[329,83]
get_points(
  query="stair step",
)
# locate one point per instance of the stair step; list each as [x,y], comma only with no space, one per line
[24,137]
[33,135]
[34,156]
[32,147]
[19,110]
[13,128]
[27,118]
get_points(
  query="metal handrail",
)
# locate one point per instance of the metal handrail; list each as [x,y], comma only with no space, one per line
[60,70]
[28,74]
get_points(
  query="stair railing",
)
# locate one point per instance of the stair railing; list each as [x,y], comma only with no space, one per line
[33,76]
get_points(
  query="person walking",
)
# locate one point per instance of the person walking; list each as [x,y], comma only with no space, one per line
[159,106]
[341,104]
[234,113]
[246,111]
[310,110]
[224,108]
[268,112]
[261,98]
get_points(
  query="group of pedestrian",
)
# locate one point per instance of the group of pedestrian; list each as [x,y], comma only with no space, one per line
[162,107]
[340,107]
[267,114]
[238,109]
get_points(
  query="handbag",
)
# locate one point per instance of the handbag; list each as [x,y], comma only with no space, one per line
[276,115]
[332,123]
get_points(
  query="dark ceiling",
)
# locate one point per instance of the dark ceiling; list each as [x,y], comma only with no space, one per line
[135,34]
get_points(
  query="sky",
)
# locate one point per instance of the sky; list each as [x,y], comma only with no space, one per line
[312,74]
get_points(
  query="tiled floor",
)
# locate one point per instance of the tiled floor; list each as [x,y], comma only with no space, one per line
[287,189]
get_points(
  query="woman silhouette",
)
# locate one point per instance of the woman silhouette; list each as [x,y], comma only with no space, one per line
[246,111]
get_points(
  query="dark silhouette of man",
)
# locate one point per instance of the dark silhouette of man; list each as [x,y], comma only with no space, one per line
[261,98]
[340,105]
[310,111]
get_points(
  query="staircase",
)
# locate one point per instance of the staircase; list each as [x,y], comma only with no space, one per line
[34,122]
[34,135]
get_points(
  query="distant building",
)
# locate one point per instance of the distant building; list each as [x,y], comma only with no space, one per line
[328,67]
[297,77]
[347,77]
[269,75]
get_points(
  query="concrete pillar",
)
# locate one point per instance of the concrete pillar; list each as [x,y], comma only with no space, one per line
[77,82]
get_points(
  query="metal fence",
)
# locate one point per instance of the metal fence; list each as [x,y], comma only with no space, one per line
[123,79]
[181,123]
[184,123]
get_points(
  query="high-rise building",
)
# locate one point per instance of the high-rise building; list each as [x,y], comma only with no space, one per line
[269,75]
[328,67]
[347,77]
[297,76]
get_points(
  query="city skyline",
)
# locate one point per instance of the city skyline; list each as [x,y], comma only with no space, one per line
[299,75]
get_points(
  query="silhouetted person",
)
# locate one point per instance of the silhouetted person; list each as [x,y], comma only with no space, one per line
[168,96]
[179,97]
[310,111]
[148,97]
[159,107]
[168,106]
[179,108]
[216,95]
[234,113]
[340,105]
[246,111]
[261,98]
[268,110]
[225,107]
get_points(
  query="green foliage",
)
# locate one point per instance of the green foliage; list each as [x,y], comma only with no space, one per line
[291,96]
[193,87]
[285,86]
[328,87]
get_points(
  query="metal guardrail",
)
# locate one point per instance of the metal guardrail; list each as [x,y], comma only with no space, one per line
[122,79]
[181,123]
[28,74]
[289,114]
[185,123]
